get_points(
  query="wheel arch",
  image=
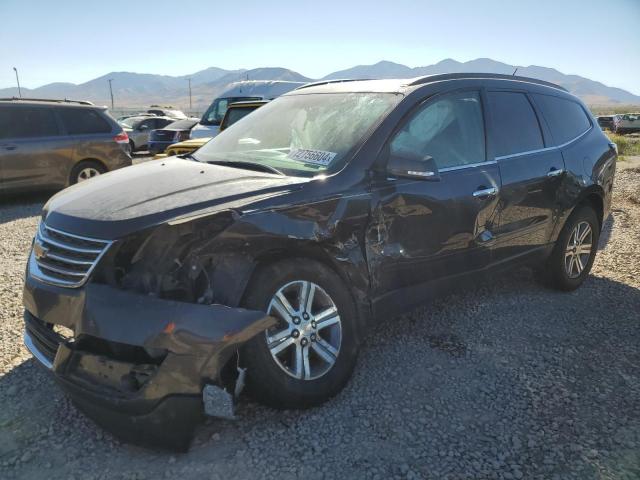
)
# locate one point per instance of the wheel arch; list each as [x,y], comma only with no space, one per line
[315,251]
[85,160]
[593,197]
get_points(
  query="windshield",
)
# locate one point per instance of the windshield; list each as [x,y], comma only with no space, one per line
[216,111]
[301,135]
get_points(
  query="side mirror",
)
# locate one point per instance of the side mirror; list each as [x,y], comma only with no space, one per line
[142,128]
[416,168]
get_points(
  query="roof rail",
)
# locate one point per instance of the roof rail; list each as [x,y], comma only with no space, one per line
[337,80]
[66,100]
[499,76]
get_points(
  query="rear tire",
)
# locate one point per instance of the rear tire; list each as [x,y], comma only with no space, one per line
[574,252]
[310,355]
[85,170]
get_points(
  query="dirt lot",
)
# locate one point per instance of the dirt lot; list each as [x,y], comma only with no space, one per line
[506,381]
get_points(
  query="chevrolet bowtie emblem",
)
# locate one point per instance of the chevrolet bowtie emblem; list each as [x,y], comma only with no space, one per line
[39,250]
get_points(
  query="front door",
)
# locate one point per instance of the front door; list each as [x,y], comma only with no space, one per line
[424,233]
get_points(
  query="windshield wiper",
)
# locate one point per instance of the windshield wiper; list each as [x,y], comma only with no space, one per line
[248,165]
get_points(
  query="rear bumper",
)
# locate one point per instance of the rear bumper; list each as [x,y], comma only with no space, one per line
[158,147]
[136,365]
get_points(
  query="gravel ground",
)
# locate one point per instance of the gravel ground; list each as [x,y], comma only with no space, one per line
[507,381]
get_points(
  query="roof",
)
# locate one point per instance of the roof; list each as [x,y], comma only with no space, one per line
[248,103]
[49,101]
[150,117]
[403,84]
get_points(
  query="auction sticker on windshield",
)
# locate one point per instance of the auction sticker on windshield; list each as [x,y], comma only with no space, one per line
[316,157]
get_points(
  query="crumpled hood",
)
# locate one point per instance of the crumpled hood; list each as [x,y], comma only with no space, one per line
[118,203]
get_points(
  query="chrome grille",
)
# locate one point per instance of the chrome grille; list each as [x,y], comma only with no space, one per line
[64,259]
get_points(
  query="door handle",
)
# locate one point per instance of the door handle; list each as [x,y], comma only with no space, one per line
[554,172]
[8,146]
[485,192]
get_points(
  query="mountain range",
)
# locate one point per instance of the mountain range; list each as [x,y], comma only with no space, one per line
[136,90]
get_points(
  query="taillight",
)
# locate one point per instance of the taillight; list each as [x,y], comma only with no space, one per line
[180,136]
[122,137]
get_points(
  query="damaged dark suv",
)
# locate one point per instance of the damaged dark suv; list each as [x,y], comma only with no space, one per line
[153,292]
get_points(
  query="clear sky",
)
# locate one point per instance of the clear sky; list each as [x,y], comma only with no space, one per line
[75,41]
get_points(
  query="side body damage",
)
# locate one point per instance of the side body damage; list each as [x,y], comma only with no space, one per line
[161,317]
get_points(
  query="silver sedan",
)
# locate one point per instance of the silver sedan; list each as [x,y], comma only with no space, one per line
[139,128]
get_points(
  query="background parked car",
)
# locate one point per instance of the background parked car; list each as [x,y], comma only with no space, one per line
[235,112]
[165,112]
[124,117]
[238,92]
[177,131]
[139,128]
[54,143]
[629,123]
[238,110]
[609,122]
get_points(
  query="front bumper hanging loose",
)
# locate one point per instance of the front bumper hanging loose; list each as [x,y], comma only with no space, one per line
[135,364]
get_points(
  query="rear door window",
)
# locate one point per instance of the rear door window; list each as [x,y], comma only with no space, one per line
[150,123]
[29,122]
[79,121]
[162,122]
[515,124]
[566,119]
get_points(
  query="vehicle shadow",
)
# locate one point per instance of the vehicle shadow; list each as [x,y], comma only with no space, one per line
[17,206]
[474,352]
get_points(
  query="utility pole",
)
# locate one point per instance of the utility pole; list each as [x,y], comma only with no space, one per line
[190,105]
[18,80]
[111,92]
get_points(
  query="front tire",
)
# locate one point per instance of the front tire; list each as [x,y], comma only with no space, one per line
[310,355]
[574,252]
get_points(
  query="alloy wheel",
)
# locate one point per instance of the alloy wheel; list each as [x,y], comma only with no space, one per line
[306,342]
[87,173]
[578,251]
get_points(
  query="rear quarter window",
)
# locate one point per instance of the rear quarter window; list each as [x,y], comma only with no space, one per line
[83,120]
[27,122]
[515,124]
[566,118]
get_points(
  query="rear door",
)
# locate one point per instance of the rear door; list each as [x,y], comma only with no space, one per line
[32,147]
[92,135]
[422,231]
[531,173]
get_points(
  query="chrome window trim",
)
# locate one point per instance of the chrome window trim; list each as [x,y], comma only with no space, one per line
[28,342]
[468,165]
[547,149]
